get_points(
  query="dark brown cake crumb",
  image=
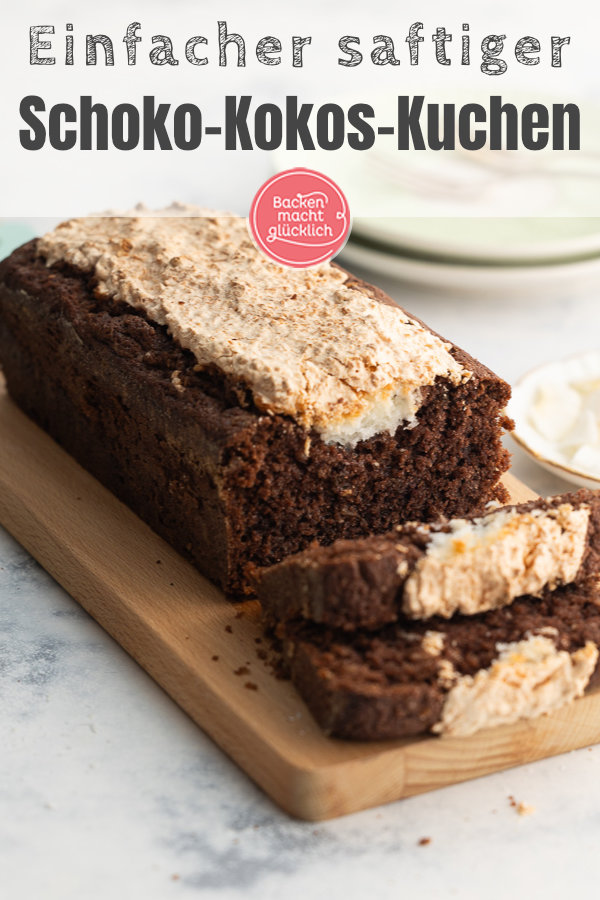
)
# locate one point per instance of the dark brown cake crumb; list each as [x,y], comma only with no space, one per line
[243,670]
[422,842]
[249,685]
[229,629]
[215,658]
[272,657]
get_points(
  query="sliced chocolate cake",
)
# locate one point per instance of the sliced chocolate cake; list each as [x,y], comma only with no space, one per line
[421,570]
[449,677]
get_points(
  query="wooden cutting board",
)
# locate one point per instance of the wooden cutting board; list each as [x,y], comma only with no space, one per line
[183,632]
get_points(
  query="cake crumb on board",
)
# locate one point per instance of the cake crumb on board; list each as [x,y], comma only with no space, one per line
[243,670]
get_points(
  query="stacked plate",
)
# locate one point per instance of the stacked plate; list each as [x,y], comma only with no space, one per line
[478,222]
[483,256]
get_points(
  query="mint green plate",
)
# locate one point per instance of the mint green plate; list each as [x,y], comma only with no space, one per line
[487,240]
[13,233]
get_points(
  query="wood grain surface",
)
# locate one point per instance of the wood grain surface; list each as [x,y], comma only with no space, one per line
[183,632]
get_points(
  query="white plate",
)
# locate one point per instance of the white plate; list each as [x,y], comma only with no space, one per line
[398,198]
[499,240]
[485,282]
[564,472]
[485,206]
[580,367]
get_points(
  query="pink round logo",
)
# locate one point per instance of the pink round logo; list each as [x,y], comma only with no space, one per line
[300,218]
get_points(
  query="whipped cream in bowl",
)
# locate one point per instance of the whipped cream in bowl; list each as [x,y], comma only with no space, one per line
[556,408]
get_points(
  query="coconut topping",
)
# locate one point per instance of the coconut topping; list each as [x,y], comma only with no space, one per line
[306,343]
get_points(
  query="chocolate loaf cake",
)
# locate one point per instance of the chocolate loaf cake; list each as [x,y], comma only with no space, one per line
[420,570]
[449,677]
[241,408]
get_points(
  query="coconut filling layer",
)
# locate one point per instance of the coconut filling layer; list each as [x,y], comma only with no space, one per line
[383,415]
[486,563]
[529,678]
[307,344]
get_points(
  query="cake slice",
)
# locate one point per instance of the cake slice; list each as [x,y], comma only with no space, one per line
[459,566]
[241,408]
[449,677]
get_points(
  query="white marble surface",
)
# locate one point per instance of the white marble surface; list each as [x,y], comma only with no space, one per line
[108,790]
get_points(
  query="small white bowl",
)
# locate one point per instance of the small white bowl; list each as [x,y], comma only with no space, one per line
[580,367]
